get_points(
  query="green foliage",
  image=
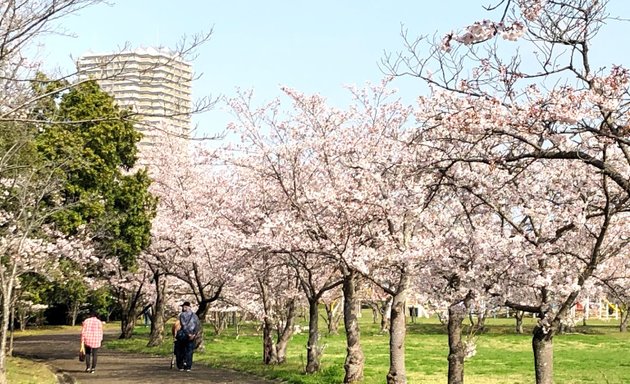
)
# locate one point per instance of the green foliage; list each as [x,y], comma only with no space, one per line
[50,92]
[77,155]
[22,169]
[135,208]
[86,131]
[108,136]
[69,287]
[35,288]
[65,287]
[16,141]
[101,300]
[599,356]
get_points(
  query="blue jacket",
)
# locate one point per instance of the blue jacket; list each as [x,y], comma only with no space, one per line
[190,322]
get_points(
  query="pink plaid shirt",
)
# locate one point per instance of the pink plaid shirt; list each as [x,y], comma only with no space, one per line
[92,332]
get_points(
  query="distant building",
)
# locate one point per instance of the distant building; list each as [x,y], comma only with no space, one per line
[153,83]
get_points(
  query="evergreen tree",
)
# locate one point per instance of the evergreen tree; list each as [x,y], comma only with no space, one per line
[87,131]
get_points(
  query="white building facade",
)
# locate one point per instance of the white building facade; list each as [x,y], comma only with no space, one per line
[154,84]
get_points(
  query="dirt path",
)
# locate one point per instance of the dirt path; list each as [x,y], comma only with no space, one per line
[59,350]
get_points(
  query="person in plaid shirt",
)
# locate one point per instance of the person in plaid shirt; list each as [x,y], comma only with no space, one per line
[91,337]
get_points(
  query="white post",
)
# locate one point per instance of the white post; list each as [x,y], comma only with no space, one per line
[587,308]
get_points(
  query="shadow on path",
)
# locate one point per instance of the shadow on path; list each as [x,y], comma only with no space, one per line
[60,351]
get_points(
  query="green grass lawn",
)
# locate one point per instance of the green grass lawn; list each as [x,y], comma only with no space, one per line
[21,371]
[596,354]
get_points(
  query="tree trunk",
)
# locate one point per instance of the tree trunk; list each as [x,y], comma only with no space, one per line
[284,334]
[269,350]
[156,337]
[131,306]
[127,326]
[542,344]
[12,331]
[456,354]
[519,321]
[74,312]
[6,314]
[623,324]
[386,310]
[312,347]
[202,309]
[562,329]
[397,331]
[6,297]
[414,312]
[354,354]
[332,319]
[482,315]
[219,322]
[375,312]
[237,325]
[22,317]
[202,345]
[129,314]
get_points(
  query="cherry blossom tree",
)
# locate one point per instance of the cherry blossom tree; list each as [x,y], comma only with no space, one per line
[376,201]
[353,199]
[133,292]
[465,267]
[131,289]
[28,244]
[191,236]
[551,161]
[266,286]
[275,163]
[280,300]
[562,217]
[269,291]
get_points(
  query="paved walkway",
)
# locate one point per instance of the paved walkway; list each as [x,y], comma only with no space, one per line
[59,350]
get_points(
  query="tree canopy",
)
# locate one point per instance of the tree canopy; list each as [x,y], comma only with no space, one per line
[93,137]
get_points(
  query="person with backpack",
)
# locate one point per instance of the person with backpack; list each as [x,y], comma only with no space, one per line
[190,326]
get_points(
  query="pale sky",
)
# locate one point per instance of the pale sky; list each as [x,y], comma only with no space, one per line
[313,46]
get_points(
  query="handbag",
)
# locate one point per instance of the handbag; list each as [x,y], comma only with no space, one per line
[82,352]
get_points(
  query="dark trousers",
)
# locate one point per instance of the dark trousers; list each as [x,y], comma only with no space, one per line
[184,354]
[90,357]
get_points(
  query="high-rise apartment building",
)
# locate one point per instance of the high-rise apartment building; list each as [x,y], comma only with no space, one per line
[154,84]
